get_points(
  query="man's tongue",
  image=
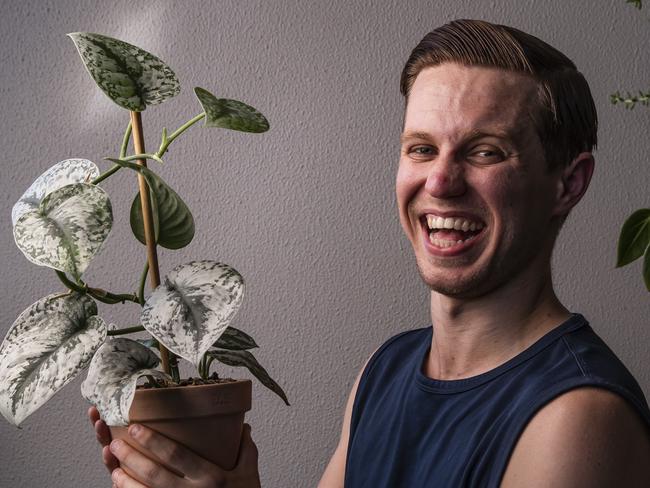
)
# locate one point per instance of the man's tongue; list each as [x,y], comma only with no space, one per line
[452,234]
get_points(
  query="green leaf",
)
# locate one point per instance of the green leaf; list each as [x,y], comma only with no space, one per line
[646,268]
[173,221]
[246,359]
[67,229]
[634,238]
[137,219]
[235,340]
[130,76]
[230,114]
[47,346]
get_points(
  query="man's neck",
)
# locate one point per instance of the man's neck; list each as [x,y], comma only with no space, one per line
[473,336]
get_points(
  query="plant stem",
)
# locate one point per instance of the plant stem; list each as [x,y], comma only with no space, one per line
[202,364]
[97,293]
[125,140]
[123,149]
[112,298]
[143,280]
[128,330]
[167,140]
[208,364]
[141,157]
[71,285]
[173,363]
[147,216]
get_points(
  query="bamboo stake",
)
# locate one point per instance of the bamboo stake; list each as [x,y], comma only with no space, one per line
[147,217]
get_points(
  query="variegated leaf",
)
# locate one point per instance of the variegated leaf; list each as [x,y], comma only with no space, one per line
[61,174]
[193,306]
[113,375]
[246,359]
[235,340]
[129,75]
[230,114]
[68,228]
[46,347]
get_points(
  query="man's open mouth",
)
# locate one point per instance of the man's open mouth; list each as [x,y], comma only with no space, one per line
[447,232]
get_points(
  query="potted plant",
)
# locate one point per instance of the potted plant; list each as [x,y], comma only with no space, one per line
[62,221]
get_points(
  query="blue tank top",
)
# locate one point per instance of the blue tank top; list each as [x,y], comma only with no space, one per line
[408,430]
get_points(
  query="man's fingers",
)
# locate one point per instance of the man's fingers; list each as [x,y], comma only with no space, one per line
[93,415]
[103,433]
[169,452]
[123,480]
[150,473]
[110,461]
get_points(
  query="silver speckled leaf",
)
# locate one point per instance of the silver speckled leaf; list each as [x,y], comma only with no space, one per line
[46,347]
[61,174]
[246,359]
[129,75]
[113,374]
[192,307]
[68,228]
[230,114]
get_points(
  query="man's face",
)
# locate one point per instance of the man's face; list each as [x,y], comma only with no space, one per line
[471,159]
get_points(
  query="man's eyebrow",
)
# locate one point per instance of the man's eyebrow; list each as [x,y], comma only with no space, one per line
[413,135]
[474,134]
[499,133]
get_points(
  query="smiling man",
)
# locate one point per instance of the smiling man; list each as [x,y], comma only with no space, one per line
[507,387]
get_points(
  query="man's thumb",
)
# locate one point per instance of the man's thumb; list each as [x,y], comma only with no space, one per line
[248,450]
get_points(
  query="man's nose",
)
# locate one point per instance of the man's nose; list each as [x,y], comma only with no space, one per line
[446,177]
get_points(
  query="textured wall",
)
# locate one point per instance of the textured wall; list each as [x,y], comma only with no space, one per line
[306,211]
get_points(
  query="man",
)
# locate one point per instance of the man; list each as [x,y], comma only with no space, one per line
[507,387]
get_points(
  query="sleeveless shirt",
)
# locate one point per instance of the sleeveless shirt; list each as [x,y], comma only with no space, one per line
[408,430]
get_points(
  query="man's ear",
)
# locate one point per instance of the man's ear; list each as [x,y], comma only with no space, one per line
[573,183]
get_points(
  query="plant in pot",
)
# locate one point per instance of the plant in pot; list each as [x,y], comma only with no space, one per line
[62,221]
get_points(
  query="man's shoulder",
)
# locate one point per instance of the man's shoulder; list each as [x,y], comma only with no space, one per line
[600,366]
[396,356]
[588,437]
[408,341]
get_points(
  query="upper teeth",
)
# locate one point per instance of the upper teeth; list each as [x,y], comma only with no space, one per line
[435,222]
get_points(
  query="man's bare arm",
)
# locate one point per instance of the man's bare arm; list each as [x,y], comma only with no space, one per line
[586,437]
[334,474]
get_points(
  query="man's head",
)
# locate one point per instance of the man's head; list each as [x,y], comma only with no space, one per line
[479,196]
[564,115]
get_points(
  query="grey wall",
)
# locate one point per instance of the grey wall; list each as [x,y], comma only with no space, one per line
[306,212]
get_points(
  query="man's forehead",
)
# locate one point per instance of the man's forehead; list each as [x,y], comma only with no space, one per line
[474,97]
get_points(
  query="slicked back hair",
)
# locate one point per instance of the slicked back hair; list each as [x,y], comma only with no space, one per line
[565,116]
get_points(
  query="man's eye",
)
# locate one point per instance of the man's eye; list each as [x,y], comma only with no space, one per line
[487,156]
[421,150]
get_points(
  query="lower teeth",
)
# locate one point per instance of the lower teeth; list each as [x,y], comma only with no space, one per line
[445,243]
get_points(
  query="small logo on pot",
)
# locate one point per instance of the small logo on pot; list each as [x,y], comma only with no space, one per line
[221,400]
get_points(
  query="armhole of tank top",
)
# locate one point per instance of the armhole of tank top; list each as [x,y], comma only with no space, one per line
[366,372]
[551,394]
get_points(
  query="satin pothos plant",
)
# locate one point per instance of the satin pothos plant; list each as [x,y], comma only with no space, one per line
[62,222]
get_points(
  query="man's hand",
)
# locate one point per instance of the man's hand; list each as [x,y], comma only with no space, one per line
[199,473]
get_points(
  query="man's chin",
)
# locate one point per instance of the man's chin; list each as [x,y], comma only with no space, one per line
[452,286]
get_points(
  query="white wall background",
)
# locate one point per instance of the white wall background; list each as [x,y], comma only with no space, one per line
[306,211]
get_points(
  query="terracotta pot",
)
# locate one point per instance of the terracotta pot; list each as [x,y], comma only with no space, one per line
[208,419]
